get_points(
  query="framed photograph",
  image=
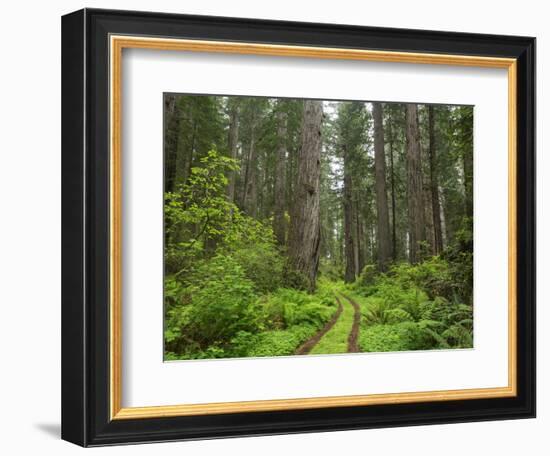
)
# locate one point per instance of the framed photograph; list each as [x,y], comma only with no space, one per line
[278,227]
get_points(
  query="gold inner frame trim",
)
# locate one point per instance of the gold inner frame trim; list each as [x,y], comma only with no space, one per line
[117,44]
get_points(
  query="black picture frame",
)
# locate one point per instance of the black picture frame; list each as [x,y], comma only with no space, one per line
[85,224]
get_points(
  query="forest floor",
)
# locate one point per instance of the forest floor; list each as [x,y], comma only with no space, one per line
[340,334]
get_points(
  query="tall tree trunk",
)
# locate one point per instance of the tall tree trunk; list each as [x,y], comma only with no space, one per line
[233,140]
[382,215]
[250,193]
[414,185]
[184,158]
[467,158]
[427,205]
[279,224]
[349,244]
[357,242]
[171,135]
[443,220]
[434,185]
[360,242]
[304,235]
[392,180]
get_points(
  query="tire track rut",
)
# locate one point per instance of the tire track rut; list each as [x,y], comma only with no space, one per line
[308,345]
[353,339]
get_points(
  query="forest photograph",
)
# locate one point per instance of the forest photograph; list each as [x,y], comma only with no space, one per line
[297,227]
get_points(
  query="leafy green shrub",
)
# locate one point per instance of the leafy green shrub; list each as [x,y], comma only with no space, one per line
[289,317]
[407,335]
[271,343]
[262,264]
[415,307]
[292,307]
[368,276]
[378,311]
[330,270]
[218,304]
[221,316]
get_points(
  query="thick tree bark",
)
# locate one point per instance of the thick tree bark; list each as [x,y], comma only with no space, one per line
[305,230]
[414,186]
[233,140]
[279,224]
[349,244]
[382,215]
[434,185]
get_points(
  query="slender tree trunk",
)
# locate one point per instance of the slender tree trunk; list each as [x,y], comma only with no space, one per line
[361,242]
[357,239]
[232,143]
[184,155]
[382,215]
[349,244]
[427,206]
[250,194]
[191,155]
[442,213]
[414,186]
[279,224]
[304,236]
[434,185]
[171,135]
[467,158]
[392,180]
[186,149]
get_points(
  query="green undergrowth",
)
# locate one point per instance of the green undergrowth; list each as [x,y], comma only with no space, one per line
[412,307]
[272,324]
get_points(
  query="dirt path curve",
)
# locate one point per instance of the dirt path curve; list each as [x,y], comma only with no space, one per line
[353,339]
[308,345]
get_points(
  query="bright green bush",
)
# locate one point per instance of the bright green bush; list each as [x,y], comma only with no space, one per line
[330,270]
[219,303]
[367,277]
[414,307]
[407,335]
[262,264]
[220,315]
[271,343]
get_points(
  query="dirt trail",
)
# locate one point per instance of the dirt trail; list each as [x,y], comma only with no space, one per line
[308,345]
[353,340]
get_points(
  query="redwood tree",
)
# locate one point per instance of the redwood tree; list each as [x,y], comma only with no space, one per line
[304,235]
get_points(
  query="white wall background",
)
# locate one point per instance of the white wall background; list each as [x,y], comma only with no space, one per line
[30,193]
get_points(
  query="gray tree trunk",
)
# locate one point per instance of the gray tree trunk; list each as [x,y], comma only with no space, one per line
[304,235]
[232,143]
[434,185]
[250,199]
[414,185]
[184,155]
[279,223]
[467,158]
[171,135]
[382,213]
[393,199]
[349,244]
[357,243]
